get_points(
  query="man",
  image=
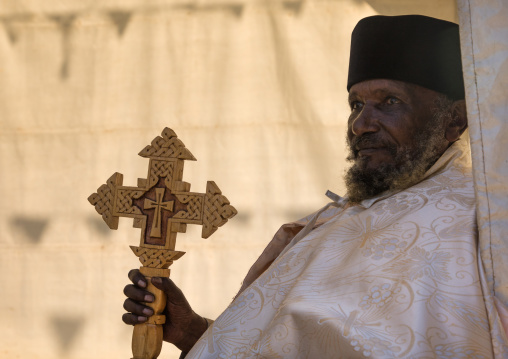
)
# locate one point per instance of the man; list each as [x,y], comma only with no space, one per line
[391,270]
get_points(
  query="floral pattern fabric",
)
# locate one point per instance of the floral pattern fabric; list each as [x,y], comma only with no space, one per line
[397,276]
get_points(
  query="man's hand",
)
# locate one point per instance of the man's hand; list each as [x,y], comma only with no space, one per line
[183,326]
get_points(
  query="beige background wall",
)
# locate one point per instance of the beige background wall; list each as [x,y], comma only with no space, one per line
[256,91]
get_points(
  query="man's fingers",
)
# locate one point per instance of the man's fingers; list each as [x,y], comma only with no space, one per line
[133,319]
[137,294]
[137,309]
[137,278]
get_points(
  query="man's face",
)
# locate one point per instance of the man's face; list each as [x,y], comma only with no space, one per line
[394,135]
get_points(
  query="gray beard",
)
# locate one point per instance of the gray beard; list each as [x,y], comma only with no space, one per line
[408,168]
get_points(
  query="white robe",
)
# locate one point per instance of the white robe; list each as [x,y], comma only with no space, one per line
[395,276]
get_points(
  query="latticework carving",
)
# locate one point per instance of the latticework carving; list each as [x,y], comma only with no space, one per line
[161,206]
[166,154]
[156,258]
[217,210]
[194,207]
[168,146]
[104,199]
[124,201]
[160,169]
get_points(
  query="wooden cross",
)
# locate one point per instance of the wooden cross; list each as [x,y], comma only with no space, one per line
[162,206]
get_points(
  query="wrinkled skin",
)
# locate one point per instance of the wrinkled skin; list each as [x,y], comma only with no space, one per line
[183,326]
[396,132]
[392,112]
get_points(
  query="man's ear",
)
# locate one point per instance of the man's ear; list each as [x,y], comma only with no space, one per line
[458,122]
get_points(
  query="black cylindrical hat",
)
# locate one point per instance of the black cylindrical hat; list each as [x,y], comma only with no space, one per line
[411,48]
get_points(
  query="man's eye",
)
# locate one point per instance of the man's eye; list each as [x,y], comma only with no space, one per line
[356,105]
[392,100]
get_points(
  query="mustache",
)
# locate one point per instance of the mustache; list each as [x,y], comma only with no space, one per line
[369,140]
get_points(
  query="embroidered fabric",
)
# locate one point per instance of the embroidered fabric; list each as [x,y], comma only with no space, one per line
[395,276]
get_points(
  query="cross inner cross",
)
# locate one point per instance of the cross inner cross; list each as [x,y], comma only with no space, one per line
[158,205]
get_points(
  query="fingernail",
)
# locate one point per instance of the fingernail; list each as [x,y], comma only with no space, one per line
[141,319]
[149,298]
[142,283]
[157,280]
[147,311]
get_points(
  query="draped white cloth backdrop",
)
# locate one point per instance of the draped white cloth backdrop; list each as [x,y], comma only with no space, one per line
[484,43]
[255,89]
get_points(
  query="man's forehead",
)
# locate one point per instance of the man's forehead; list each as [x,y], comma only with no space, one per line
[381,87]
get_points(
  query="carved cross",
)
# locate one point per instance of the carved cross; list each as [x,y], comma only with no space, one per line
[162,206]
[158,205]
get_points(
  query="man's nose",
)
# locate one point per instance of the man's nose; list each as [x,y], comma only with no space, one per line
[366,121]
